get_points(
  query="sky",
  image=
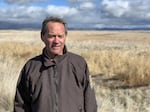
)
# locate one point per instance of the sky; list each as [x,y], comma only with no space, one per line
[84,14]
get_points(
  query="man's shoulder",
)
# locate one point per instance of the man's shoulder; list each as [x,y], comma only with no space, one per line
[34,61]
[75,58]
[32,67]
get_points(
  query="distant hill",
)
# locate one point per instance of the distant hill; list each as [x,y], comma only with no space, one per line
[9,25]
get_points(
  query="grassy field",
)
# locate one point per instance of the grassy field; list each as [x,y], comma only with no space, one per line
[119,63]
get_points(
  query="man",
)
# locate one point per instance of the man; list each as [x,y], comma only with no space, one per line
[56,80]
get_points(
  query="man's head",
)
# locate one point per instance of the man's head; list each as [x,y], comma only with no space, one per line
[53,34]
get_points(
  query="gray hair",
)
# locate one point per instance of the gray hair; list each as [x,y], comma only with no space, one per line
[52,19]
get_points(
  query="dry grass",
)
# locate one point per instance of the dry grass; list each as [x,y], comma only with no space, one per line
[124,55]
[116,59]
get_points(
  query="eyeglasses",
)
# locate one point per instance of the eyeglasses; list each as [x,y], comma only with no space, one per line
[54,36]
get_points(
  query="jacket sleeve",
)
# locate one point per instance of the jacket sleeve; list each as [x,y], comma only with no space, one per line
[89,95]
[22,96]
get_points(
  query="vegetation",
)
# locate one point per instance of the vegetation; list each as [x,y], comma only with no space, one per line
[119,63]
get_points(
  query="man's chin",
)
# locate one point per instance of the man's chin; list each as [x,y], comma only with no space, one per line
[56,52]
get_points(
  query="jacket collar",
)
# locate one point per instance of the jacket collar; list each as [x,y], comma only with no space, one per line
[52,62]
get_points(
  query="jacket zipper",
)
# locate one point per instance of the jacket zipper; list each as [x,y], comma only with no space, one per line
[55,78]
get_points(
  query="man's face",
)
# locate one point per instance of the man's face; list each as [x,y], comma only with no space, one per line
[54,38]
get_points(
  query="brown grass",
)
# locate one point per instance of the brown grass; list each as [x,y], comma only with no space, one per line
[124,55]
[119,58]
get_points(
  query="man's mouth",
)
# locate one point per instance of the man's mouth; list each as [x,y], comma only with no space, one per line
[55,46]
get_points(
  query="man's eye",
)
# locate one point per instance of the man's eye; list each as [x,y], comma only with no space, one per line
[61,36]
[51,36]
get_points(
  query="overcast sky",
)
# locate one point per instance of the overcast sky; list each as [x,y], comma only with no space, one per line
[77,13]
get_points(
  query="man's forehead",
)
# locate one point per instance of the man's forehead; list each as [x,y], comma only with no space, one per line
[56,26]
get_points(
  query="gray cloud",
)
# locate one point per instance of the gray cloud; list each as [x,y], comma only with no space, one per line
[116,9]
[126,13]
[87,14]
[61,11]
[22,1]
[127,8]
[87,6]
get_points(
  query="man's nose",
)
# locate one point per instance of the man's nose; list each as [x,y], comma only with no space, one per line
[56,39]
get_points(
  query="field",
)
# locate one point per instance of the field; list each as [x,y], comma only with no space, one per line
[119,64]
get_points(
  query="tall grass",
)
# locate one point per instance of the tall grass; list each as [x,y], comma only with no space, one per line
[114,65]
[9,75]
[12,59]
[127,61]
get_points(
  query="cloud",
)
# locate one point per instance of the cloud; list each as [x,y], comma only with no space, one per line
[127,8]
[61,10]
[22,1]
[87,6]
[88,14]
[21,14]
[34,15]
[115,8]
[75,1]
[125,13]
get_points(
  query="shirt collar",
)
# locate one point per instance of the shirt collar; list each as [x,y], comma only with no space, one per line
[51,62]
